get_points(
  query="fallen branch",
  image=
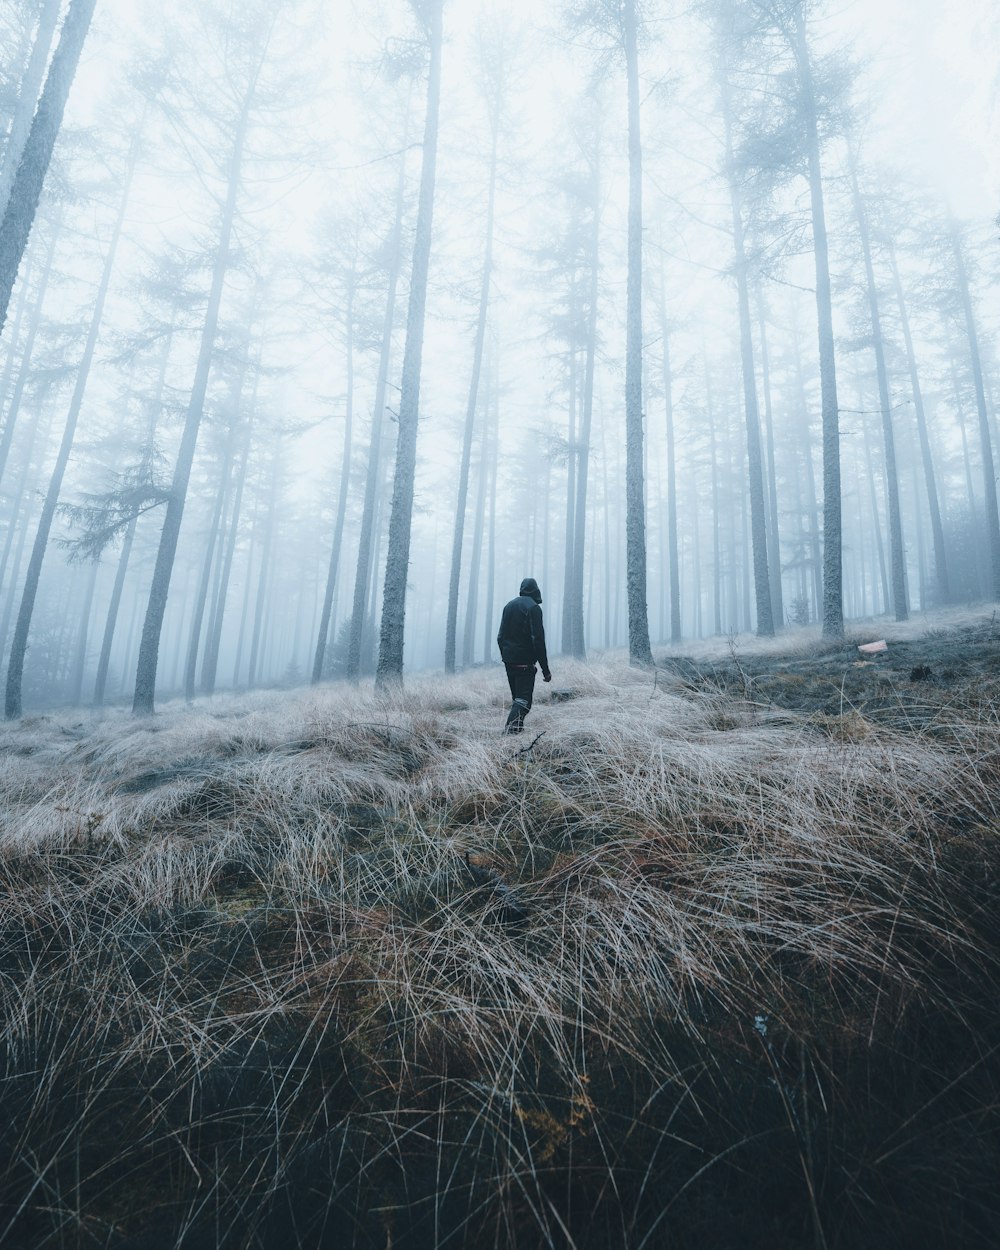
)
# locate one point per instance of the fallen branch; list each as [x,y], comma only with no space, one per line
[527,749]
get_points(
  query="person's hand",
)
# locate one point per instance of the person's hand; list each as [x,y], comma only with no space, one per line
[546,677]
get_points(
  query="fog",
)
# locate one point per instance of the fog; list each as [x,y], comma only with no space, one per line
[325,324]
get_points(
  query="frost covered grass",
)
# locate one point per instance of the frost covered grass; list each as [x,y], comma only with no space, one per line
[325,968]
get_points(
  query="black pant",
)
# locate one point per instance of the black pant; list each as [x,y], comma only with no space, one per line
[522,685]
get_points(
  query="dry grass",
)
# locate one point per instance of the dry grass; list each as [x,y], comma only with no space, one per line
[329,969]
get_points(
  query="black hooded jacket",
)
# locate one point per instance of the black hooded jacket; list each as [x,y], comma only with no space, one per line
[522,636]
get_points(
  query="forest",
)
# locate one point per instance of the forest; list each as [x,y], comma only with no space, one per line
[324,323]
[331,321]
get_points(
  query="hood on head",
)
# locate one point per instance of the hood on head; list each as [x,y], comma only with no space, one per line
[529,587]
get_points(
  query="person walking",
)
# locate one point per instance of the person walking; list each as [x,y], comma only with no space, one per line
[522,645]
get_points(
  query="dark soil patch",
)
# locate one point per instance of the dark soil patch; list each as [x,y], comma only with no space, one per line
[153,778]
[905,686]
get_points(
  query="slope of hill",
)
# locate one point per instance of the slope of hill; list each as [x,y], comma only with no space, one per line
[708,956]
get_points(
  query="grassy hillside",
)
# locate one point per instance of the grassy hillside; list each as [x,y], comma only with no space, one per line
[712,961]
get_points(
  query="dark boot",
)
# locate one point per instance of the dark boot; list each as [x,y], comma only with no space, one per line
[515,717]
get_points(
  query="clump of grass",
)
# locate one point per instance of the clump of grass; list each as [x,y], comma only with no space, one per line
[330,968]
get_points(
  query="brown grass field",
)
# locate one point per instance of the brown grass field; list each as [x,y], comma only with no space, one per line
[708,957]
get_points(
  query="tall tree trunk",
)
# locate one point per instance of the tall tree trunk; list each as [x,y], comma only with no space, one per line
[56,664]
[635,528]
[145,677]
[472,602]
[111,621]
[13,348]
[80,658]
[131,633]
[205,581]
[661,562]
[918,528]
[746,607]
[716,509]
[876,523]
[579,646]
[897,554]
[263,578]
[986,449]
[390,658]
[728,483]
[27,99]
[773,540]
[345,484]
[572,453]
[970,488]
[491,545]
[19,645]
[24,372]
[927,460]
[546,518]
[366,537]
[247,584]
[695,526]
[20,518]
[812,503]
[592,572]
[833,605]
[751,412]
[11,598]
[451,625]
[15,226]
[606,512]
[176,639]
[673,554]
[369,650]
[213,644]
